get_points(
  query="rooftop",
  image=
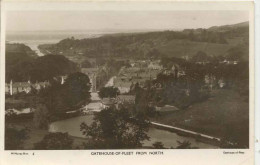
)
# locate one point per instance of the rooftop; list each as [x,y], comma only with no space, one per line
[108,101]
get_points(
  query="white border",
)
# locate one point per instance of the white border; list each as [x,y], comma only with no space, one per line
[201,156]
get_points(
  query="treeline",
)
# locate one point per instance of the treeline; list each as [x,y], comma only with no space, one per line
[139,45]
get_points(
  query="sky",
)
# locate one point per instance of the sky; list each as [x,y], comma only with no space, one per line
[119,20]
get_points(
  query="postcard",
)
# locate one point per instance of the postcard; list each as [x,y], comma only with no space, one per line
[127,82]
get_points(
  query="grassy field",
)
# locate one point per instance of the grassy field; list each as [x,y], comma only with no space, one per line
[225,113]
[179,48]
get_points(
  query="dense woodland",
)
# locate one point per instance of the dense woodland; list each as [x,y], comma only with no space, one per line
[24,66]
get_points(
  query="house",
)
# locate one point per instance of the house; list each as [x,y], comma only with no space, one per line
[229,62]
[18,112]
[19,87]
[176,70]
[122,85]
[167,108]
[107,102]
[121,99]
[155,65]
[202,62]
[221,83]
[94,106]
[40,85]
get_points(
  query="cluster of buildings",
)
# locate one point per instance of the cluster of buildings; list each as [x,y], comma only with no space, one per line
[128,77]
[119,100]
[13,88]
[141,72]
[98,105]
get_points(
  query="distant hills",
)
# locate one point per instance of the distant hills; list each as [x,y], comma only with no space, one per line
[214,41]
[230,27]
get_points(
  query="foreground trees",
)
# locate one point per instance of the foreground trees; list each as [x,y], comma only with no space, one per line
[14,138]
[59,98]
[76,89]
[72,94]
[55,141]
[41,117]
[115,129]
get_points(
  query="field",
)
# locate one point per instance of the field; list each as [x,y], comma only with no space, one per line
[224,114]
[179,48]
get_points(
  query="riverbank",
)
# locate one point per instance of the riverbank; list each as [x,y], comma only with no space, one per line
[224,115]
[168,138]
[187,133]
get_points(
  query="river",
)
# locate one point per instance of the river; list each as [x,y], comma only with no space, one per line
[35,38]
[169,139]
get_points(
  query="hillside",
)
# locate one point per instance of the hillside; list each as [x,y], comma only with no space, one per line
[13,48]
[23,66]
[230,27]
[214,41]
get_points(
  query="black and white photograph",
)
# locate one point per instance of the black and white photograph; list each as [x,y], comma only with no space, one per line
[126,79]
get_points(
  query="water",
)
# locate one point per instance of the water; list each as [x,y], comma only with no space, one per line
[33,44]
[34,39]
[169,139]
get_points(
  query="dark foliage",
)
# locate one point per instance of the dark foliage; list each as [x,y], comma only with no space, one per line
[71,95]
[108,92]
[41,117]
[21,67]
[158,145]
[15,138]
[55,141]
[185,145]
[115,129]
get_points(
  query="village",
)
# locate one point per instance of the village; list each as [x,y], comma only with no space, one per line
[140,72]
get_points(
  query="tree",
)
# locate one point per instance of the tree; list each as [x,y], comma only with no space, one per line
[55,141]
[41,117]
[60,98]
[14,139]
[43,68]
[115,129]
[76,89]
[185,145]
[158,145]
[108,92]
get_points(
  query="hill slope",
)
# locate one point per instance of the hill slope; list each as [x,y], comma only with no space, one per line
[214,41]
